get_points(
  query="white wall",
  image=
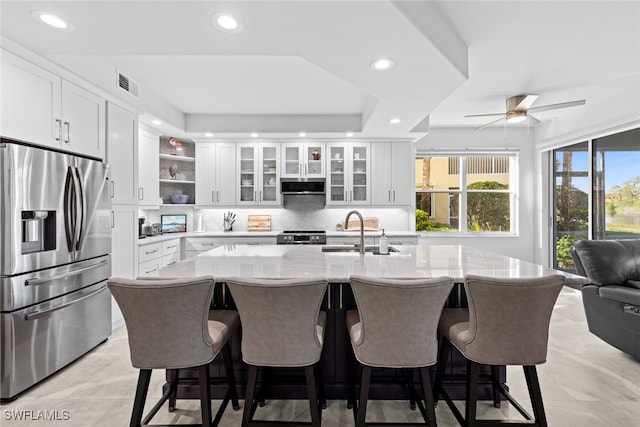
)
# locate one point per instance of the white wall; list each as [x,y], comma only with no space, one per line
[524,244]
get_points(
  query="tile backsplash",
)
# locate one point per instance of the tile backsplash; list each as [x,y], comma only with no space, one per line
[299,213]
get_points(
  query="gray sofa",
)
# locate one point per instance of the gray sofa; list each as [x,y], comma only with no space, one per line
[612,300]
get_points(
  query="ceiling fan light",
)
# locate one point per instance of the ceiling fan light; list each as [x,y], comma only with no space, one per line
[516,116]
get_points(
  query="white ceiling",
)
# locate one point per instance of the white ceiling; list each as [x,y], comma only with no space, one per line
[305,65]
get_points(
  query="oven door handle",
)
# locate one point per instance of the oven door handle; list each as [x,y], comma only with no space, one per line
[38,314]
[41,280]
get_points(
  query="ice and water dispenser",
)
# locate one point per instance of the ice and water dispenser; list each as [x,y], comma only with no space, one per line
[38,231]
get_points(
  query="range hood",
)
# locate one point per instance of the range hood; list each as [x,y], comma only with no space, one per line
[302,187]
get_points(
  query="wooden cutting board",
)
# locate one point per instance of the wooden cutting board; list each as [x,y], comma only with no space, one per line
[370,224]
[259,223]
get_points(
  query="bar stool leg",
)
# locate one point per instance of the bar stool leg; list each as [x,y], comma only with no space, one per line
[494,381]
[425,378]
[205,394]
[531,375]
[249,394]
[231,378]
[443,355]
[173,379]
[472,392]
[364,396]
[313,397]
[141,396]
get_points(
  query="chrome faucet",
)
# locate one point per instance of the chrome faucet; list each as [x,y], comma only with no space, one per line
[346,225]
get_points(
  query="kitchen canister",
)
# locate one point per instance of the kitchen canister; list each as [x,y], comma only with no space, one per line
[199,228]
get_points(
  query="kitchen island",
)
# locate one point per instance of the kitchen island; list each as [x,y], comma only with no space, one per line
[290,261]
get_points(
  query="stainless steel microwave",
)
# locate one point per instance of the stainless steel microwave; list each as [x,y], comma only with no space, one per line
[293,186]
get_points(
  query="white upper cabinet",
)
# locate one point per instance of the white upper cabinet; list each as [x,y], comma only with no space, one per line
[215,174]
[258,174]
[41,108]
[391,178]
[148,185]
[30,102]
[349,169]
[302,160]
[122,155]
[83,121]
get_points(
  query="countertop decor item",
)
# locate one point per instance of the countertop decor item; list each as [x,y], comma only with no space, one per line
[227,221]
[179,199]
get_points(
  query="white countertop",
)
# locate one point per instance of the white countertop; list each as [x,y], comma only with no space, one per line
[287,261]
[231,234]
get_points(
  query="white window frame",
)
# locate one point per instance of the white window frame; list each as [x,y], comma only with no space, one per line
[462,190]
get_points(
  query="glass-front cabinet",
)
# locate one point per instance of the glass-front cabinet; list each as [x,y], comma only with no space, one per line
[303,160]
[349,173]
[259,175]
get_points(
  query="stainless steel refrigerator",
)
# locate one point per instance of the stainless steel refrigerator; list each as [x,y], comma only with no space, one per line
[55,245]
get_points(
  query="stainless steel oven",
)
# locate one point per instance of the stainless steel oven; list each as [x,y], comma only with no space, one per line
[302,237]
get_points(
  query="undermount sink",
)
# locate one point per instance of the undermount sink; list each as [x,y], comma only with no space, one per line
[352,248]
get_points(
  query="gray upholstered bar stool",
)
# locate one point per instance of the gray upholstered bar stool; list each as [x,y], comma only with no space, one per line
[507,323]
[282,326]
[395,326]
[170,326]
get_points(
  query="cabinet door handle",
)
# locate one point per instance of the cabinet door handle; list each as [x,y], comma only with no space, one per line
[171,247]
[260,192]
[299,168]
[305,169]
[150,271]
[394,195]
[329,297]
[113,219]
[68,132]
[140,193]
[213,196]
[345,197]
[389,195]
[224,295]
[150,252]
[217,196]
[59,131]
[340,296]
[351,195]
[171,263]
[113,189]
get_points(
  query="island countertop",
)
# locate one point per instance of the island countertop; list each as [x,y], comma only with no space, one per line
[412,261]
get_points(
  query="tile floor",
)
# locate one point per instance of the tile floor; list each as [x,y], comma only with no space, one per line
[585,382]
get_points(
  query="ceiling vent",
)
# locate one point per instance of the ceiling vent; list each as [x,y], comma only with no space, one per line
[127,84]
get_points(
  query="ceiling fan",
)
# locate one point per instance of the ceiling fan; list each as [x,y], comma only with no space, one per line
[519,106]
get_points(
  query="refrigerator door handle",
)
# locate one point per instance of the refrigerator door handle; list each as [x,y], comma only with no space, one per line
[41,280]
[82,210]
[37,314]
[69,209]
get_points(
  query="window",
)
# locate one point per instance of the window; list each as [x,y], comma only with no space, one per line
[603,171]
[465,193]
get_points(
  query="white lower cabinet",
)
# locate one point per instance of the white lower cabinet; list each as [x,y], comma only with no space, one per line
[197,245]
[154,256]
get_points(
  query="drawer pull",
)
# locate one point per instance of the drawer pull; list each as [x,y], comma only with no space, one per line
[171,247]
[151,252]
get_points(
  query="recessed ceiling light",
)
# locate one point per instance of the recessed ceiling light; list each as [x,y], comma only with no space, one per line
[254,134]
[208,134]
[227,22]
[156,122]
[394,121]
[382,64]
[349,134]
[51,20]
[302,134]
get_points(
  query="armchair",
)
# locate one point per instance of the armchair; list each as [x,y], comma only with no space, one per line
[612,300]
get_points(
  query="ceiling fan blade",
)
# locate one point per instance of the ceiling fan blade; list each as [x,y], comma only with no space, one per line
[490,123]
[557,106]
[484,115]
[532,121]
[521,102]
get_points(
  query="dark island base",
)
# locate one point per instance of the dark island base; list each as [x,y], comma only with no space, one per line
[337,362]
